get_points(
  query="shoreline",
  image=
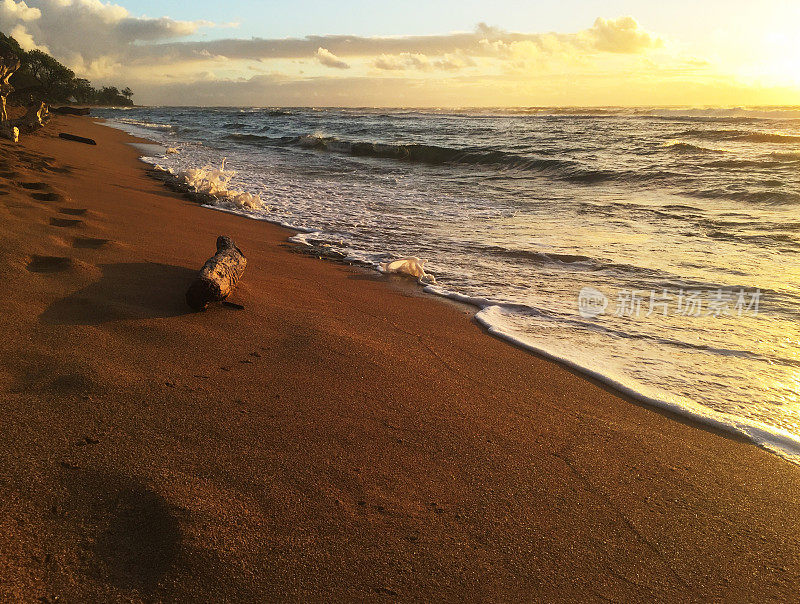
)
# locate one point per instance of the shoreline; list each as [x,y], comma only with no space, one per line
[770,438]
[336,439]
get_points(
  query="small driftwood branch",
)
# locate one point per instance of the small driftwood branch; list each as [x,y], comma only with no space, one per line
[71,110]
[77,139]
[219,275]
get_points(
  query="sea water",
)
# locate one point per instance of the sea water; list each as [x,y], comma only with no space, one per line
[656,249]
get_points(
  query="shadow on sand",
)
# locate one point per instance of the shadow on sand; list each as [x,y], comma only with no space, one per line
[132,290]
[134,532]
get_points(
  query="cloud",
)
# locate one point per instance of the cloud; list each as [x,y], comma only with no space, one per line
[21,35]
[91,32]
[17,11]
[471,90]
[148,30]
[454,62]
[88,32]
[278,90]
[327,58]
[623,35]
[406,61]
[104,42]
[401,62]
[294,48]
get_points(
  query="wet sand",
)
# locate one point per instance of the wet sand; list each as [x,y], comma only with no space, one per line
[342,437]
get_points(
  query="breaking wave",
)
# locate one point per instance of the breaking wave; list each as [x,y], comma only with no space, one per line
[732,113]
[212,185]
[755,197]
[744,136]
[145,124]
[701,200]
[564,169]
[681,147]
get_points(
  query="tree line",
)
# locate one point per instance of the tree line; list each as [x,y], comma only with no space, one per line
[42,78]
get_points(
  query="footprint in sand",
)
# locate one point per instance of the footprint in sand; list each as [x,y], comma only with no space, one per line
[49,264]
[16,204]
[47,196]
[48,165]
[34,186]
[73,211]
[89,243]
[65,222]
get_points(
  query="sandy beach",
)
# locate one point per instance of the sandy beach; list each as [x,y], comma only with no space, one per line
[344,437]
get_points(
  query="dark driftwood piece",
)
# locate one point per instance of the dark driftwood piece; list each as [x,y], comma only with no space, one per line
[77,139]
[219,275]
[71,110]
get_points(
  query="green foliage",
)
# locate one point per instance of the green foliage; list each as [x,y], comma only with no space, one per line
[9,45]
[43,78]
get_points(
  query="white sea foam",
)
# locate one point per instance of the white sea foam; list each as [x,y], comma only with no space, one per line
[492,317]
[144,124]
[216,182]
[411,266]
[364,213]
[303,237]
[310,140]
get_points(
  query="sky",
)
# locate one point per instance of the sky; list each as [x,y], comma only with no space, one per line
[424,53]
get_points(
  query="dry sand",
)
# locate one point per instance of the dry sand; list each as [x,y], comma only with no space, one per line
[340,438]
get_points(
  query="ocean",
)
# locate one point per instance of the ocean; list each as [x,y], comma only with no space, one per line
[657,250]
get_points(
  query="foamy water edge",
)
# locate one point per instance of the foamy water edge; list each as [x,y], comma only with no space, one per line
[775,440]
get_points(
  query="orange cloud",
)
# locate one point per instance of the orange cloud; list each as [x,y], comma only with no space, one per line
[623,35]
[327,58]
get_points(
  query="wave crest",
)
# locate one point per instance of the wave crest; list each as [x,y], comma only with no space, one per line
[564,169]
[682,147]
[744,136]
[209,185]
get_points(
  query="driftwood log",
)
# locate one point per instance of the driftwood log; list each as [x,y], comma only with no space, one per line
[77,139]
[71,110]
[219,275]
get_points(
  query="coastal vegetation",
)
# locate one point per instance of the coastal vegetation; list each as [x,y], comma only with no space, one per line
[42,78]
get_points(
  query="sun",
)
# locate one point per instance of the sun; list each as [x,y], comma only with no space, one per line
[768,55]
[783,61]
